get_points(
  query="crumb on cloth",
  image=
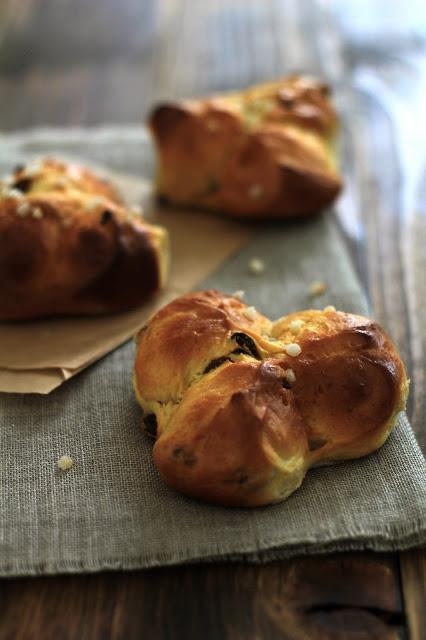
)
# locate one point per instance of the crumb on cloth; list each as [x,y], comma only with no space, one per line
[65,463]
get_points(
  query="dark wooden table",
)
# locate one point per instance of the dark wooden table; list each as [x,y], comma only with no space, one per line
[90,62]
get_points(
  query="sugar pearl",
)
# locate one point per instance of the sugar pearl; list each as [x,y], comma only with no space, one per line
[256,266]
[296,325]
[14,193]
[94,203]
[239,294]
[250,313]
[65,463]
[317,288]
[293,349]
[290,375]
[23,209]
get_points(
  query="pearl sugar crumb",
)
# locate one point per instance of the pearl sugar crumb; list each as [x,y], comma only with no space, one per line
[65,463]
[296,325]
[23,210]
[293,349]
[317,288]
[14,193]
[256,266]
[250,313]
[290,375]
[238,294]
[94,203]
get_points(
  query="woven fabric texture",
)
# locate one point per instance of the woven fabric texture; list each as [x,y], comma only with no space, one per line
[111,510]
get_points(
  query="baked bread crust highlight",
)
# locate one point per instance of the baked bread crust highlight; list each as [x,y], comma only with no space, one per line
[69,245]
[241,407]
[265,152]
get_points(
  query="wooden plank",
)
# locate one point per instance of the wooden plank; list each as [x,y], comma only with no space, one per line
[84,63]
[349,596]
[413,575]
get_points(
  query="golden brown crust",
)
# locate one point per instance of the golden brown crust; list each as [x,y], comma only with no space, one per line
[238,420]
[264,152]
[69,245]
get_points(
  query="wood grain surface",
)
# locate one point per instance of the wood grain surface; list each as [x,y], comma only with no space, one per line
[345,597]
[85,63]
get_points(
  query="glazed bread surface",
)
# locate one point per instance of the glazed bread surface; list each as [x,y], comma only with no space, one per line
[69,245]
[241,407]
[268,151]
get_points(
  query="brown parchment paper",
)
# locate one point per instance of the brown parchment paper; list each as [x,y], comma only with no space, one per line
[38,356]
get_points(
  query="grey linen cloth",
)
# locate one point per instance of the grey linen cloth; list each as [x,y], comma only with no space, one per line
[111,510]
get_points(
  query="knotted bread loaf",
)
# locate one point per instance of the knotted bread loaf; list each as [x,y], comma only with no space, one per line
[69,245]
[241,407]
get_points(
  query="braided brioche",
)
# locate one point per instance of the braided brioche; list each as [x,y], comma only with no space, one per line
[264,152]
[69,245]
[241,407]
